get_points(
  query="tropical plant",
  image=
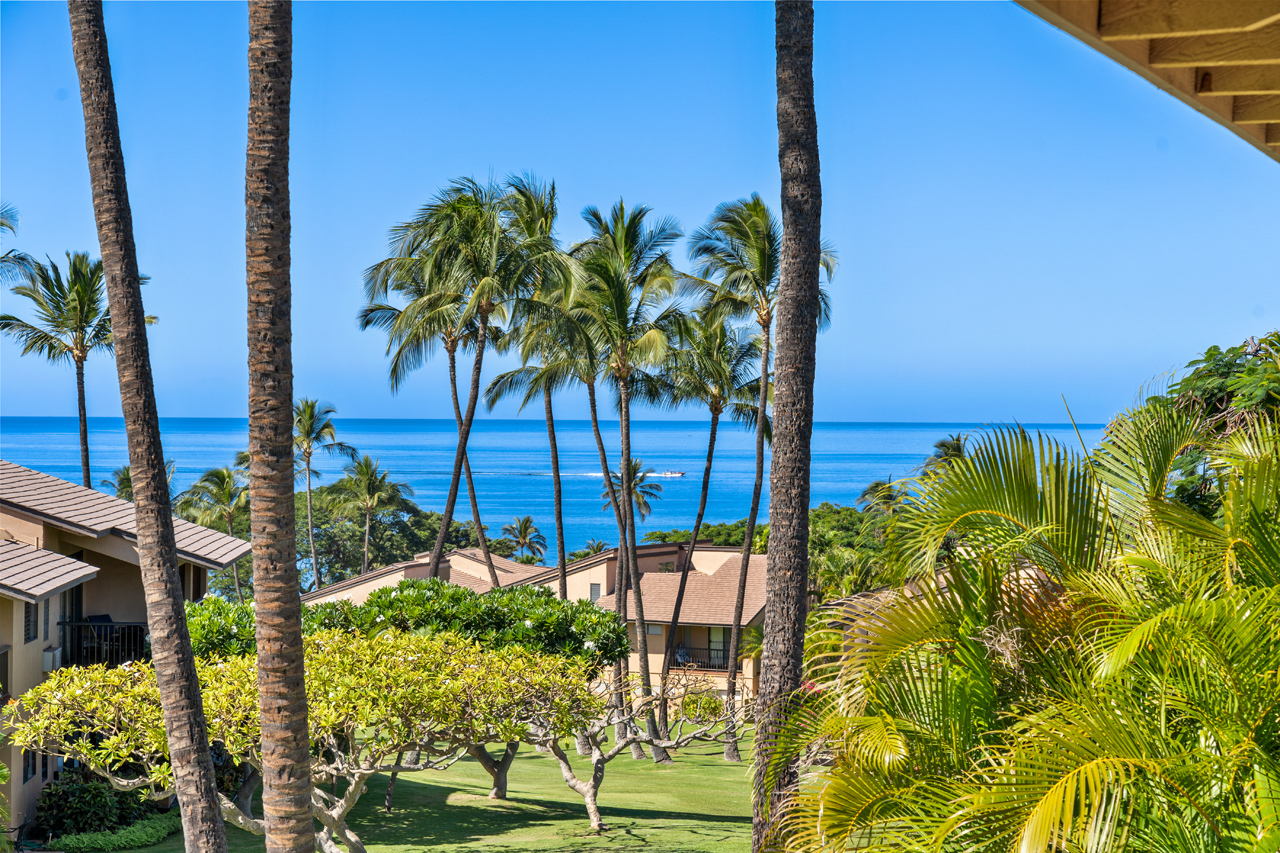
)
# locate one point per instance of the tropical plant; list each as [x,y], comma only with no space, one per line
[213,501]
[593,547]
[367,489]
[945,451]
[738,258]
[180,699]
[881,496]
[120,483]
[459,250]
[625,305]
[642,492]
[527,537]
[72,322]
[13,263]
[1093,668]
[314,432]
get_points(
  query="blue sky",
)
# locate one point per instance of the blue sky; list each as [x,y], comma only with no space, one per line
[1019,219]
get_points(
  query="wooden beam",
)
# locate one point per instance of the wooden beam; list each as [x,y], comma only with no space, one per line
[1261,47]
[1256,109]
[1239,80]
[1273,134]
[1153,19]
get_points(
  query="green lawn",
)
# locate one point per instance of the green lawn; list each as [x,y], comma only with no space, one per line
[700,805]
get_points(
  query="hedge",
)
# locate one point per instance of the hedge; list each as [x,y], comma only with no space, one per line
[144,833]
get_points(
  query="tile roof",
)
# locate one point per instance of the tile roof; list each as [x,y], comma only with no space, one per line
[88,512]
[708,598]
[31,574]
[464,566]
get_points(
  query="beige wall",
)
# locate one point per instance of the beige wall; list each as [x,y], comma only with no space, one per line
[578,584]
[358,593]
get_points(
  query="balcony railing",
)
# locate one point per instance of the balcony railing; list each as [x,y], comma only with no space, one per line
[112,643]
[716,659]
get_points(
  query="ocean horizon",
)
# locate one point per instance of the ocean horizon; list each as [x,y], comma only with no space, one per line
[511,463]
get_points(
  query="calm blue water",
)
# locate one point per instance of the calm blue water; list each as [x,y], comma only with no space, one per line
[511,463]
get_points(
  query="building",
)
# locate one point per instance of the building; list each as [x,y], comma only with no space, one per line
[71,592]
[706,613]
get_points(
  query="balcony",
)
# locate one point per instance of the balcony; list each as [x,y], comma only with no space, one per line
[696,658]
[98,640]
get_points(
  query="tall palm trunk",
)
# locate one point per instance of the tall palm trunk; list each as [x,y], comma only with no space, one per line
[628,510]
[368,522]
[180,699]
[622,565]
[481,538]
[460,457]
[316,579]
[555,495]
[735,635]
[797,316]
[235,567]
[84,426]
[282,695]
[688,562]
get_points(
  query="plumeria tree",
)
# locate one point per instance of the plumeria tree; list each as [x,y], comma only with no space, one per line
[371,701]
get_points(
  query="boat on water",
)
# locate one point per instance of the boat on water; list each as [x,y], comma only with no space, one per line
[671,474]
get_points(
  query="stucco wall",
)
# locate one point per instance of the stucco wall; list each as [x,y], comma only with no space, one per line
[26,670]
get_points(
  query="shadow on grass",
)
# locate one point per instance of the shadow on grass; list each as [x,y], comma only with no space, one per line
[429,814]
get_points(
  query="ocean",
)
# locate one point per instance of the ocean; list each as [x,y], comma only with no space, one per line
[512,467]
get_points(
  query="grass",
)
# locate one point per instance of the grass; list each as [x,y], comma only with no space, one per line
[698,805]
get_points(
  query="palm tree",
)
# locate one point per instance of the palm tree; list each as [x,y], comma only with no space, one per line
[213,501]
[881,496]
[527,537]
[73,322]
[460,247]
[799,312]
[945,452]
[740,250]
[625,303]
[175,665]
[314,432]
[120,483]
[13,264]
[286,758]
[368,489]
[642,492]
[712,368]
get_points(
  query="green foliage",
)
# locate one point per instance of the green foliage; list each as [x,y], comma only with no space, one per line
[78,803]
[144,833]
[527,616]
[701,707]
[1091,666]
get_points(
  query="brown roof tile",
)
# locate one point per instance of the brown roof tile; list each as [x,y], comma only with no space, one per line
[31,574]
[708,598]
[88,512]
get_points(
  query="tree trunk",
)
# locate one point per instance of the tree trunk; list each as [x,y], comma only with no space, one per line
[621,569]
[481,539]
[797,316]
[555,495]
[84,426]
[588,789]
[368,521]
[628,508]
[669,654]
[497,770]
[235,567]
[180,699]
[316,579]
[282,694]
[735,634]
[464,432]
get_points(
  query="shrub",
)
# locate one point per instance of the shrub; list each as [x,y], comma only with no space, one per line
[701,707]
[144,833]
[79,803]
[527,616]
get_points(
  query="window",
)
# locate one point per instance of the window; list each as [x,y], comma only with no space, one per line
[44,766]
[718,638]
[48,605]
[655,630]
[28,765]
[4,675]
[595,592]
[30,615]
[668,566]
